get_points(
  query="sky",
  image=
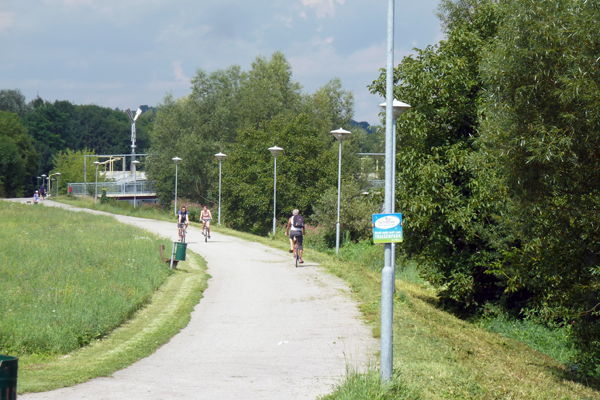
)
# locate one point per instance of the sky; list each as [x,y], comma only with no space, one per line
[125,53]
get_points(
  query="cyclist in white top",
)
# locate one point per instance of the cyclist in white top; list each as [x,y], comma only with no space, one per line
[205,217]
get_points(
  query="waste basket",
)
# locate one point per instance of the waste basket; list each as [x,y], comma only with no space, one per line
[180,251]
[8,377]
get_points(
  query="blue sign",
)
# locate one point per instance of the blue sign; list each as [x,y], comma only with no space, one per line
[387,228]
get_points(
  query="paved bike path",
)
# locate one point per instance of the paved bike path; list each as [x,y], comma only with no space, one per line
[263,330]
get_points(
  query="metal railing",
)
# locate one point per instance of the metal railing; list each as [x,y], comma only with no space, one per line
[115,188]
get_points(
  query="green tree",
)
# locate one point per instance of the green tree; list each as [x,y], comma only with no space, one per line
[18,157]
[356,210]
[541,134]
[70,164]
[14,101]
[438,186]
[305,169]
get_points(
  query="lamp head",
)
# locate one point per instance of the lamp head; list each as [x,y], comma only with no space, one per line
[176,160]
[340,134]
[275,150]
[398,106]
[220,156]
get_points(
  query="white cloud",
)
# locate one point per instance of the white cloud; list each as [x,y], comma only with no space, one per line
[324,7]
[6,20]
[178,72]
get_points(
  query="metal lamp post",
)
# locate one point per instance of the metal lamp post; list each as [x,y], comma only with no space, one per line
[220,156]
[38,180]
[57,182]
[176,160]
[388,274]
[135,164]
[340,134]
[43,179]
[275,150]
[96,163]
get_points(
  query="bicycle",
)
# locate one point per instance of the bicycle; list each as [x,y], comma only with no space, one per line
[182,232]
[205,230]
[296,252]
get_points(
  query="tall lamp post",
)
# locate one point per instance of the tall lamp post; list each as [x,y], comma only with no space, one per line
[135,164]
[43,179]
[38,181]
[57,182]
[96,163]
[340,134]
[132,118]
[275,150]
[176,160]
[388,274]
[220,156]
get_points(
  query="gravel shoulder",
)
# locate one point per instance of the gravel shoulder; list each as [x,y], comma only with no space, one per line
[263,330]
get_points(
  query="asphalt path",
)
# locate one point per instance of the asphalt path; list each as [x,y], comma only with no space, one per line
[263,330]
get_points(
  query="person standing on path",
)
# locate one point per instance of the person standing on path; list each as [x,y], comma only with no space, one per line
[36,197]
[296,229]
[43,191]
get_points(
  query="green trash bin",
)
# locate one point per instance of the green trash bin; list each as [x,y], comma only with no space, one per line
[8,377]
[180,250]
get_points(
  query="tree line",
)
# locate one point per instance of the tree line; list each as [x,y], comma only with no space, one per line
[35,136]
[499,161]
[242,114]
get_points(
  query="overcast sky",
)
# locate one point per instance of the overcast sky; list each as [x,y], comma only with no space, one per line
[124,53]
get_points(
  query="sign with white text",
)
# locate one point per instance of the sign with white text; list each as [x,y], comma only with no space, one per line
[387,228]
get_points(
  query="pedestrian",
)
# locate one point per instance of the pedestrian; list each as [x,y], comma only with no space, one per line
[36,197]
[43,191]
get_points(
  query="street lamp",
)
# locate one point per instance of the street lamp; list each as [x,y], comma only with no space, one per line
[132,118]
[387,273]
[176,160]
[220,156]
[275,150]
[43,179]
[38,181]
[96,163]
[57,182]
[135,164]
[340,134]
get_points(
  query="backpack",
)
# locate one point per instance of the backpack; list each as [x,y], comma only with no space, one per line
[298,221]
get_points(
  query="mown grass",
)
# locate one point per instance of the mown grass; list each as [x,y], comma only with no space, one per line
[437,355]
[167,312]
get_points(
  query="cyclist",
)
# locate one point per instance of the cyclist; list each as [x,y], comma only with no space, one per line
[295,228]
[183,219]
[205,217]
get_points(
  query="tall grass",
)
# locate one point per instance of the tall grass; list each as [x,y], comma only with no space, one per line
[68,278]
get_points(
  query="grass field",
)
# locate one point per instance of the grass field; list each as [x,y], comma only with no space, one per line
[439,356]
[79,297]
[69,278]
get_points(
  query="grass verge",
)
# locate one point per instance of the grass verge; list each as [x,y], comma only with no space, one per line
[167,312]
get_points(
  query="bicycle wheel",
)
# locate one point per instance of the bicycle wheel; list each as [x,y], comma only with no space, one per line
[183,233]
[205,234]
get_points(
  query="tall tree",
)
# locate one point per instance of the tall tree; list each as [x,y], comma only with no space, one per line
[437,186]
[304,170]
[14,101]
[542,133]
[18,157]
